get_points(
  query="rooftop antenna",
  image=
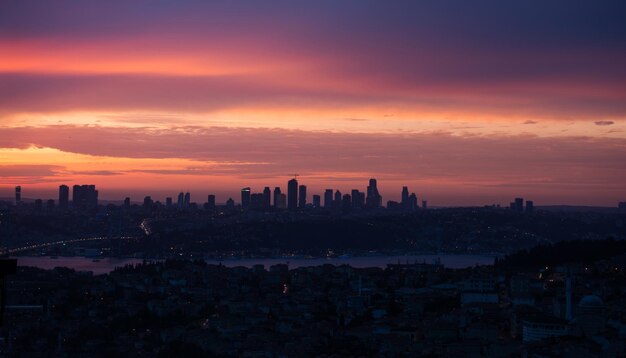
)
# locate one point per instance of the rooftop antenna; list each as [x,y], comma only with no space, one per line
[295,176]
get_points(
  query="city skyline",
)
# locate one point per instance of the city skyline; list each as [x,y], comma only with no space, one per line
[471,103]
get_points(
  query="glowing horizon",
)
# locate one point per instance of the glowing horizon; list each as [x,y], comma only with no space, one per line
[465,106]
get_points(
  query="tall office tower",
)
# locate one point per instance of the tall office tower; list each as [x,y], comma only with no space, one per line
[302,196]
[530,206]
[245,198]
[412,202]
[181,200]
[519,205]
[50,204]
[281,201]
[127,202]
[211,201]
[317,201]
[405,197]
[292,194]
[337,201]
[373,199]
[18,195]
[147,202]
[358,199]
[267,198]
[230,204]
[187,201]
[328,198]
[84,197]
[277,193]
[64,196]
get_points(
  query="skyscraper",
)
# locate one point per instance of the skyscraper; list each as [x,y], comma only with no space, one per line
[317,201]
[267,198]
[337,201]
[519,205]
[127,202]
[277,194]
[328,198]
[84,197]
[64,196]
[292,194]
[358,199]
[405,197]
[373,199]
[181,200]
[302,196]
[281,202]
[211,201]
[187,200]
[18,195]
[245,198]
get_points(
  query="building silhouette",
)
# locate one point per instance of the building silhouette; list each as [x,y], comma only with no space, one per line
[181,200]
[127,202]
[373,200]
[211,201]
[337,201]
[84,197]
[18,195]
[245,198]
[302,196]
[328,198]
[277,194]
[267,198]
[317,201]
[292,194]
[405,197]
[358,199]
[187,201]
[64,196]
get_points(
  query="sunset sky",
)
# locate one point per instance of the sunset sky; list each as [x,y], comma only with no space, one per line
[466,102]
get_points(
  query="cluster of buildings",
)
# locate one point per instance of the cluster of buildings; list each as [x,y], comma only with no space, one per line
[405,309]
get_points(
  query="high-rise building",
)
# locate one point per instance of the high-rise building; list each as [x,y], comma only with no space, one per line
[50,204]
[181,200]
[211,201]
[230,204]
[412,202]
[530,206]
[267,198]
[64,196]
[358,199]
[147,202]
[245,198]
[187,201]
[373,200]
[328,198]
[84,197]
[302,196]
[337,201]
[519,205]
[18,195]
[405,197]
[277,193]
[317,201]
[292,194]
[127,202]
[424,204]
